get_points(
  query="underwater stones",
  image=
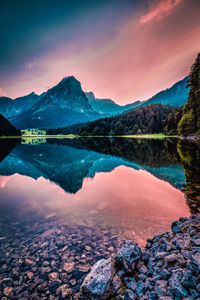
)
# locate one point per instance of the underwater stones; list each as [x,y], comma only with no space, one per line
[7,291]
[88,248]
[68,267]
[98,282]
[53,275]
[64,291]
[128,255]
[29,262]
[42,278]
[53,285]
[84,267]
[30,275]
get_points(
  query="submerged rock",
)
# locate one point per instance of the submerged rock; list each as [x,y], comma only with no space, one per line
[63,291]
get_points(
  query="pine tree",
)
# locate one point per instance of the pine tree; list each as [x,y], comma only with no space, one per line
[190,121]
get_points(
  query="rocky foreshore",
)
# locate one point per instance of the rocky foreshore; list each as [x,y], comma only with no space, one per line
[168,268]
[43,258]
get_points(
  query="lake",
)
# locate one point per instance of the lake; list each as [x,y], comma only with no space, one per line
[66,203]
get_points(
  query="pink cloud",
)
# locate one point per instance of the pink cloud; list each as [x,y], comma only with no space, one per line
[135,63]
[159,10]
[3,181]
[2,93]
[30,65]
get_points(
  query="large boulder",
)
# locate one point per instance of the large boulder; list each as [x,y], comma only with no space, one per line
[97,284]
[128,256]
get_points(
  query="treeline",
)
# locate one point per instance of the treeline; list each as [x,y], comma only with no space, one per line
[154,118]
[190,121]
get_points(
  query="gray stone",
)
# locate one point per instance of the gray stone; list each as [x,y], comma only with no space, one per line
[161,288]
[142,276]
[130,295]
[194,293]
[140,289]
[165,274]
[171,258]
[116,284]
[188,280]
[176,227]
[160,255]
[196,258]
[98,282]
[196,242]
[128,256]
[175,286]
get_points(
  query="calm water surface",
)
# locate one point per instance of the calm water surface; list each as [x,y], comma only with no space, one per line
[83,198]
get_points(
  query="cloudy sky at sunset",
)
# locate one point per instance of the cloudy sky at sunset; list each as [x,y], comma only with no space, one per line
[120,49]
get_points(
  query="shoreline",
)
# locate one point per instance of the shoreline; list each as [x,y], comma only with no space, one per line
[72,136]
[190,138]
[167,268]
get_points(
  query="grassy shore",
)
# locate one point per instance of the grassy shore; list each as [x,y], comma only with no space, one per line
[149,136]
[72,136]
[134,136]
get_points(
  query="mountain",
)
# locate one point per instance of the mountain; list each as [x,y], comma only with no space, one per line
[62,105]
[12,107]
[103,106]
[190,121]
[7,129]
[176,95]
[66,104]
[154,118]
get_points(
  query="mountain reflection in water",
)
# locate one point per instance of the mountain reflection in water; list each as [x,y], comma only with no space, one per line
[131,186]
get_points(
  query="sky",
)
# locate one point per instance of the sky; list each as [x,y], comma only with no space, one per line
[126,50]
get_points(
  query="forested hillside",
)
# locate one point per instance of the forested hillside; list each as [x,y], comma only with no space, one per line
[154,118]
[190,121]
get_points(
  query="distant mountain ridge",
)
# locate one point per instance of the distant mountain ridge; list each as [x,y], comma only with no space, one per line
[108,106]
[176,95]
[66,104]
[12,107]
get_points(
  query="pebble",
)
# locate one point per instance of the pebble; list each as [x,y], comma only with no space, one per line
[68,267]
